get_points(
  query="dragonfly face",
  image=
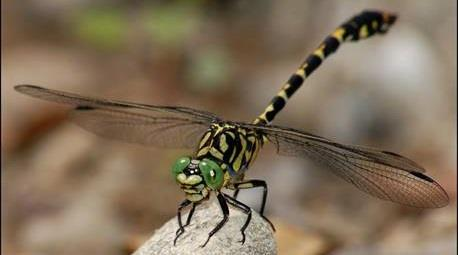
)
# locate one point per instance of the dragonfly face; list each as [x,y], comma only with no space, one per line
[197,177]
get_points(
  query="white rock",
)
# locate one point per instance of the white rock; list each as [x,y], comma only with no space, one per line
[259,235]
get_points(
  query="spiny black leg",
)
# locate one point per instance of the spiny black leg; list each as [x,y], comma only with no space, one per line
[236,193]
[180,230]
[249,184]
[245,208]
[268,221]
[225,209]
[263,184]
[191,212]
[188,220]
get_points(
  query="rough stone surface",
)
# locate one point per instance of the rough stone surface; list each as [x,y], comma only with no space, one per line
[259,235]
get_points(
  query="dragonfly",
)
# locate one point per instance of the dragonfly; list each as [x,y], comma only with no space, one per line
[224,150]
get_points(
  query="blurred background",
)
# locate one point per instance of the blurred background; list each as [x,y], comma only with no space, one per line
[66,191]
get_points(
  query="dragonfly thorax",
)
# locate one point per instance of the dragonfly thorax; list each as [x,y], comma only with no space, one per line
[197,177]
[231,144]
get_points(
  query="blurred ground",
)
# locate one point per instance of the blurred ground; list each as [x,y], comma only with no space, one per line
[65,191]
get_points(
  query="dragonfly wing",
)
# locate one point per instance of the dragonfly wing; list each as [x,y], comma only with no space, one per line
[159,126]
[163,132]
[383,174]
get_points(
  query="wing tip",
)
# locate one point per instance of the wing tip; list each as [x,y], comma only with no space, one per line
[442,198]
[26,88]
[445,199]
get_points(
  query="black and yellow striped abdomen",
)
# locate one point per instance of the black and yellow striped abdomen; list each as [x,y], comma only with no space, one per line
[234,146]
[359,27]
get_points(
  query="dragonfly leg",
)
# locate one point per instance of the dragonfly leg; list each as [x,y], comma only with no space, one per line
[236,193]
[249,184]
[191,212]
[245,208]
[188,219]
[225,209]
[180,229]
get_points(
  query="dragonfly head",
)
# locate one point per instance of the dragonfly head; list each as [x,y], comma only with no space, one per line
[197,177]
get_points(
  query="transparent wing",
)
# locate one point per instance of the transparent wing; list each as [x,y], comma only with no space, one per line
[383,174]
[160,126]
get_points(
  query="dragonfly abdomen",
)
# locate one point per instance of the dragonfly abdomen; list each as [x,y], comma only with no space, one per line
[364,25]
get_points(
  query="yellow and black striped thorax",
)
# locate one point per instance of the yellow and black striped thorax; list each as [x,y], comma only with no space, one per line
[234,146]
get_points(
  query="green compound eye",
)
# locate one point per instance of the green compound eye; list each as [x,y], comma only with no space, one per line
[213,175]
[180,165]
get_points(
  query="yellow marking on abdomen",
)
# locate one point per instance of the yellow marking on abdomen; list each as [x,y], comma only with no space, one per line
[283,95]
[338,34]
[374,24]
[363,33]
[303,66]
[320,51]
[301,73]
